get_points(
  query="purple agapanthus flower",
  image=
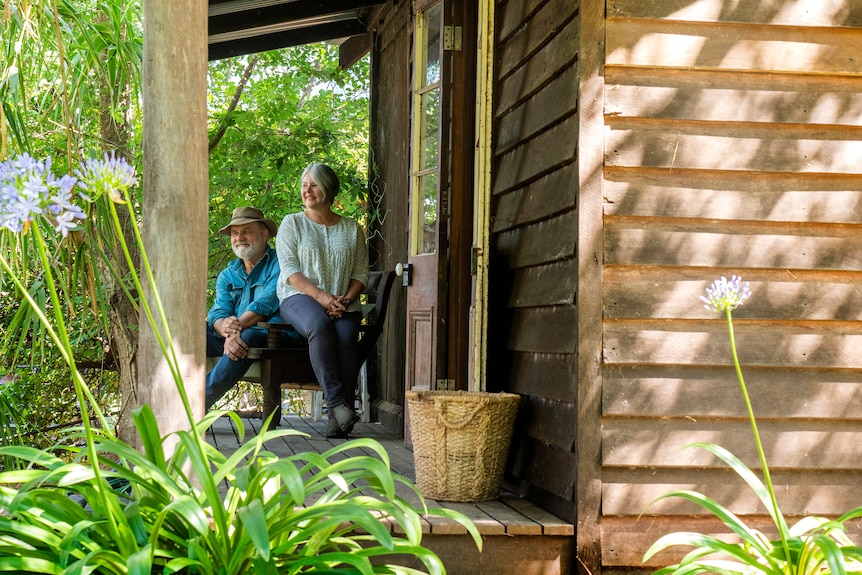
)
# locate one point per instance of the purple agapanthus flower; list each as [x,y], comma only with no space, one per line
[726,295]
[109,175]
[28,190]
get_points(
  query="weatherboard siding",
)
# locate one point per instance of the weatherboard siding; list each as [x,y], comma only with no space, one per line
[733,146]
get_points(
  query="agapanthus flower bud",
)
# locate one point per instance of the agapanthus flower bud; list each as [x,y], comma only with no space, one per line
[726,295]
[109,175]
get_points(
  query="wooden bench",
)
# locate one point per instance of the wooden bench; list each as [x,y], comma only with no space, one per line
[284,362]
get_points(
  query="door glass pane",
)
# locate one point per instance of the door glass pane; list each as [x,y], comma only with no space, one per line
[432,61]
[426,131]
[429,227]
[431,133]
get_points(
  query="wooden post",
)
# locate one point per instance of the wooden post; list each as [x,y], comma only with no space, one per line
[591,60]
[175,196]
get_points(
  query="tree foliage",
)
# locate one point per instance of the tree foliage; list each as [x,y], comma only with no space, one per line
[70,70]
[55,54]
[297,107]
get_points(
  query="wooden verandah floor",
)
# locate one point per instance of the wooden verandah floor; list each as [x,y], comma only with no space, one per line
[518,536]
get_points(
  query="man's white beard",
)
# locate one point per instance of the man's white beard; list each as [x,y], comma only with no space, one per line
[245,252]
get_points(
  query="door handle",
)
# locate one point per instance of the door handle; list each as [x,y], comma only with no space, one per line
[403,271]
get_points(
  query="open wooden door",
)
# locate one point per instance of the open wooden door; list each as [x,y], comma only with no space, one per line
[438,274]
[424,276]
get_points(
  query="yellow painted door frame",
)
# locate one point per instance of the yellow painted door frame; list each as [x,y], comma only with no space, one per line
[482,194]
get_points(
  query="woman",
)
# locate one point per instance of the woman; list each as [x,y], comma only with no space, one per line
[324,268]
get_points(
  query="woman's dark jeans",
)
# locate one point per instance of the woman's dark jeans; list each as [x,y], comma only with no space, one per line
[332,346]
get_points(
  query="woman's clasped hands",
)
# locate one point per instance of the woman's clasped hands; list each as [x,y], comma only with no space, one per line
[334,305]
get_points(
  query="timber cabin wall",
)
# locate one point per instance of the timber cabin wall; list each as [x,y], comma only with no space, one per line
[389,162]
[732,147]
[532,325]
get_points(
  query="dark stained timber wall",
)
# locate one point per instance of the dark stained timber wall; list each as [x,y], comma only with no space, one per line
[389,163]
[533,324]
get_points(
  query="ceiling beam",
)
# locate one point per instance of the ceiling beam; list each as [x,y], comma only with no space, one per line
[283,39]
[238,15]
[353,49]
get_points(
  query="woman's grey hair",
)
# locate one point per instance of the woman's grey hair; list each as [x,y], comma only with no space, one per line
[326,180]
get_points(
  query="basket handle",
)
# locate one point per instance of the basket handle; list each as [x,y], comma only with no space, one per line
[440,408]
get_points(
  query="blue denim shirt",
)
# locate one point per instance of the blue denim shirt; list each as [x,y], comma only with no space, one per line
[238,292]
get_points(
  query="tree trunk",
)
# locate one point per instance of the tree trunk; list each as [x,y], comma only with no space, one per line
[123,344]
[122,315]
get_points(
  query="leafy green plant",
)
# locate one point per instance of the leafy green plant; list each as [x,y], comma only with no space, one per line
[95,504]
[249,512]
[37,410]
[13,430]
[812,546]
[70,87]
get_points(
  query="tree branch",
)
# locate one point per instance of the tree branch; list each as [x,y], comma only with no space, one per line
[249,68]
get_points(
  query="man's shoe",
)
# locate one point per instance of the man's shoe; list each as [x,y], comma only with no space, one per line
[345,416]
[333,430]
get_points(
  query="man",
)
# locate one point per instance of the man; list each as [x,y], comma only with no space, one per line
[245,294]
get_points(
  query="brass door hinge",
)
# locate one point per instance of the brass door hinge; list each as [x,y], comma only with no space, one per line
[446,384]
[452,38]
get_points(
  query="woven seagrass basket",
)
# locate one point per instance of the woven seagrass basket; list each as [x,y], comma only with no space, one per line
[460,442]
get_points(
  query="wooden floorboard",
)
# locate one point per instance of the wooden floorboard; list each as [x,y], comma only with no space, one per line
[509,515]
[516,523]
